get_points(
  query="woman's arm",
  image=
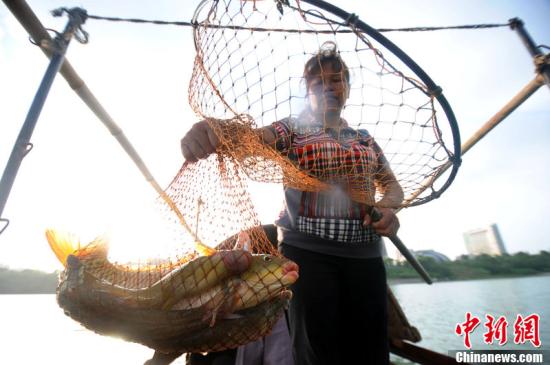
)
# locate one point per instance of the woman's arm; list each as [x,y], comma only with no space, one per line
[268,135]
[386,183]
[392,196]
[201,141]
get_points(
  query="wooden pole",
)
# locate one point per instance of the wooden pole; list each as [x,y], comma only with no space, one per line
[495,120]
[22,146]
[24,14]
[504,112]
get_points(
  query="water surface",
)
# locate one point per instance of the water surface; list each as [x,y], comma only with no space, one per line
[34,330]
[436,309]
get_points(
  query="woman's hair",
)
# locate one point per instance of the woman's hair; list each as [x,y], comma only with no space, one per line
[327,55]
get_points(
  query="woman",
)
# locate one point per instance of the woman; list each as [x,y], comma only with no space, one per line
[338,313]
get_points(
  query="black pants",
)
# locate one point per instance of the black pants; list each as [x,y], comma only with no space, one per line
[338,313]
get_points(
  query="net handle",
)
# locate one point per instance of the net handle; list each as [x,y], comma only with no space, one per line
[376,216]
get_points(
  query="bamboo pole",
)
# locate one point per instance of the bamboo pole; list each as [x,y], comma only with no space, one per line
[22,146]
[36,30]
[495,120]
[504,112]
[24,14]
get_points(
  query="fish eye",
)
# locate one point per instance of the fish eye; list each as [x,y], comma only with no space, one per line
[267,258]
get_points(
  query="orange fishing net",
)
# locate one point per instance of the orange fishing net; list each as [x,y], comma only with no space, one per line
[248,74]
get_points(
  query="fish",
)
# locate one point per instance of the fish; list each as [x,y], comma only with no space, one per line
[147,286]
[174,331]
[208,303]
[266,276]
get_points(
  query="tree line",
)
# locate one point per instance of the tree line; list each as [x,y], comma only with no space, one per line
[27,281]
[464,267]
[474,267]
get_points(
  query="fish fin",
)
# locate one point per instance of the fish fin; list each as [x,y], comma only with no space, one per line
[204,250]
[213,320]
[62,244]
[233,316]
[214,306]
[243,242]
[224,302]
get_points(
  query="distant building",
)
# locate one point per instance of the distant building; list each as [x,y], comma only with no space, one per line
[437,256]
[485,240]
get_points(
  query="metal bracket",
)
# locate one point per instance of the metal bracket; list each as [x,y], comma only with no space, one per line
[7,223]
[541,62]
[540,65]
[280,4]
[22,145]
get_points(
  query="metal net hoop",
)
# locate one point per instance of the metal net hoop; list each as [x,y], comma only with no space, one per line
[248,74]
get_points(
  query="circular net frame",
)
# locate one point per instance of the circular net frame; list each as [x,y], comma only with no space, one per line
[249,73]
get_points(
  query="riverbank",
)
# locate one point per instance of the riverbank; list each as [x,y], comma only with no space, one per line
[473,267]
[398,281]
[464,268]
[38,282]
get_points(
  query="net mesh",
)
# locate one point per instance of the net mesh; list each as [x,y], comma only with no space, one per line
[249,74]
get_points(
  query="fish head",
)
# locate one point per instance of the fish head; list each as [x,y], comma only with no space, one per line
[70,278]
[267,277]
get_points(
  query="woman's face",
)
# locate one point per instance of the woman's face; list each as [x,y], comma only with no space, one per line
[328,91]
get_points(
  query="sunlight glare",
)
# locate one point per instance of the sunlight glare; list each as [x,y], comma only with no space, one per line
[143,233]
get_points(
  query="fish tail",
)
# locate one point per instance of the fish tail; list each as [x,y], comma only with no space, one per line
[62,244]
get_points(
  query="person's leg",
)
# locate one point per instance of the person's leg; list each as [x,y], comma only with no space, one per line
[314,308]
[365,313]
[277,345]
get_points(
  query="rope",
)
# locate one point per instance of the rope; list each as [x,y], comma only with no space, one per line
[259,29]
[426,29]
[135,20]
[214,26]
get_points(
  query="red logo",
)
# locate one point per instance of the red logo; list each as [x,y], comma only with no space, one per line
[495,330]
[527,329]
[466,328]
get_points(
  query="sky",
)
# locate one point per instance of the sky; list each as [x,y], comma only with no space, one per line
[78,178]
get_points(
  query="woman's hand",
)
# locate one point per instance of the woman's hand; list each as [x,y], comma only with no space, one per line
[199,142]
[388,225]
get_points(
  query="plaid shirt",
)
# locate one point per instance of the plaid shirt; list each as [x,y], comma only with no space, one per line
[344,158]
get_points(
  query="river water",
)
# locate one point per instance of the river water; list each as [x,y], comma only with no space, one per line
[34,330]
[436,309]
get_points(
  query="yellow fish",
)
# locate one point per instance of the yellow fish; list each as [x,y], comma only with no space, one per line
[222,283]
